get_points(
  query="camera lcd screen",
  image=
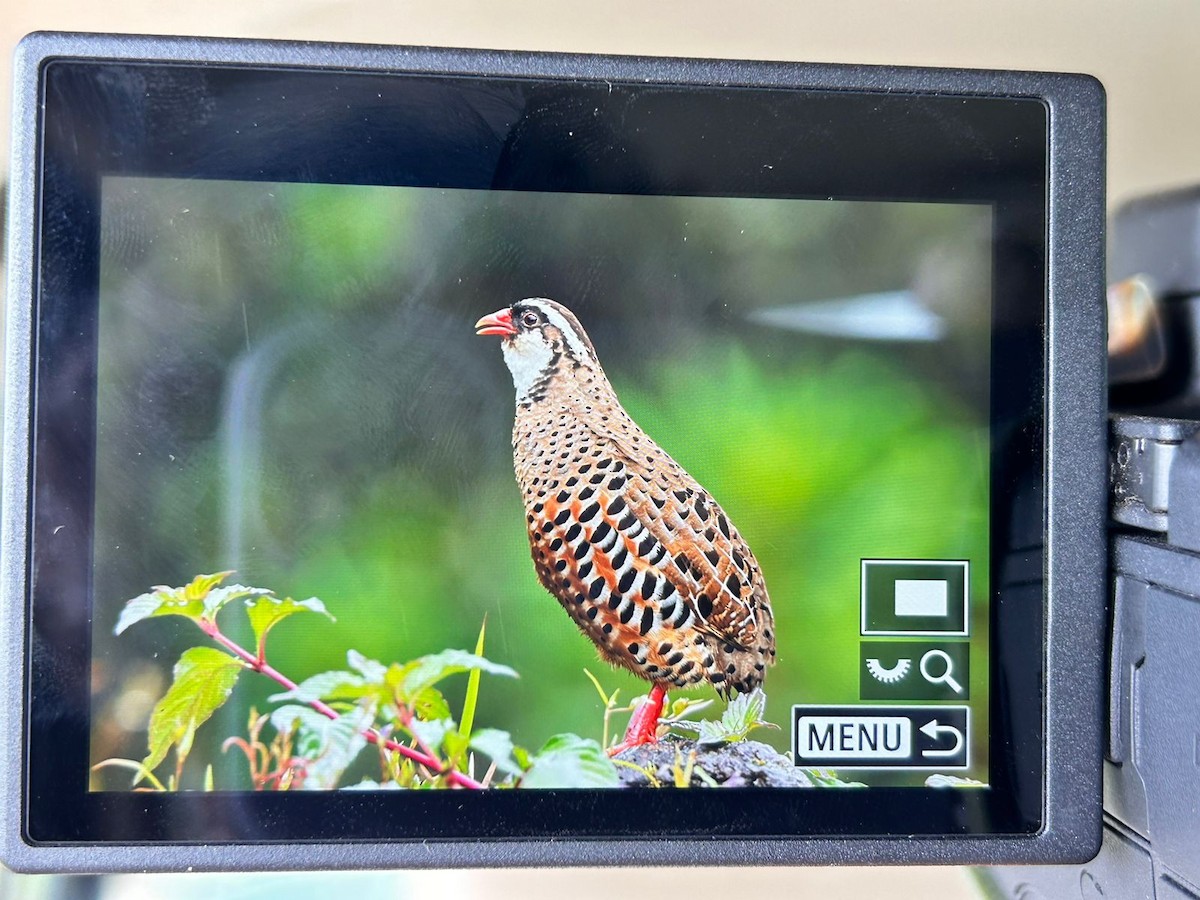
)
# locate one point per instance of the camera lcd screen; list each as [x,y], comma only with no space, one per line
[450,457]
[290,387]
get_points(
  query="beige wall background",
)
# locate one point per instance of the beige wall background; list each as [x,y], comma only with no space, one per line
[1145,53]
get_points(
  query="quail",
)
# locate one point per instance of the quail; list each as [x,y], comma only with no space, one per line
[637,552]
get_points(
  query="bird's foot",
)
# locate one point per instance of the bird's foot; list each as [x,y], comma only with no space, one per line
[643,724]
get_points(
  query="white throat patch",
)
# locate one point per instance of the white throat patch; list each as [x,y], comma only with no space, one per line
[527,357]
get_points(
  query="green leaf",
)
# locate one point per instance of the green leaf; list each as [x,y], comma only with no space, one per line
[431,734]
[199,587]
[266,611]
[327,686]
[368,785]
[522,757]
[682,707]
[217,598]
[455,745]
[829,778]
[744,712]
[429,670]
[472,695]
[160,601]
[743,715]
[292,716]
[686,706]
[430,705]
[569,761]
[370,679]
[328,746]
[498,746]
[369,669]
[712,734]
[204,679]
[200,600]
[395,676]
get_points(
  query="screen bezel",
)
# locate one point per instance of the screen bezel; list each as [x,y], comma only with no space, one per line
[91,127]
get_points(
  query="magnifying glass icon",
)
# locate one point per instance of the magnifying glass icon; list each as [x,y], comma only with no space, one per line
[947,676]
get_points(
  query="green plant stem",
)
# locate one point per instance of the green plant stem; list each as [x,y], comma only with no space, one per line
[264,668]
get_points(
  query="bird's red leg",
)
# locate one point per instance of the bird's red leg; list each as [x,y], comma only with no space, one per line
[643,724]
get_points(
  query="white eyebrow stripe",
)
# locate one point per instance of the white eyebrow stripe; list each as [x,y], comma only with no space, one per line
[578,347]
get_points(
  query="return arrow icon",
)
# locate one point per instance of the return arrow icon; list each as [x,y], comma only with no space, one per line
[936,732]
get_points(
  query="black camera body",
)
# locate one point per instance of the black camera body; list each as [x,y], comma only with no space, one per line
[1151,821]
[863,307]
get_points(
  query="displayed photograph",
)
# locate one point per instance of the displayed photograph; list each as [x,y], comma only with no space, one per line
[408,488]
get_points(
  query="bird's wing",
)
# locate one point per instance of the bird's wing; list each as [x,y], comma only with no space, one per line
[680,549]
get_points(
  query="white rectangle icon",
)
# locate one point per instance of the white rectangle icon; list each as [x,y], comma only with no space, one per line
[853,737]
[923,597]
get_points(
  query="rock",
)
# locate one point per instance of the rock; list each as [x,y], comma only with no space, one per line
[744,764]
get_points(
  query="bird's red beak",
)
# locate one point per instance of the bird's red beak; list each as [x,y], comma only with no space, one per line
[499,322]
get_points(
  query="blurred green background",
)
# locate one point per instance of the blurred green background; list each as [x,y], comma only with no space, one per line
[290,386]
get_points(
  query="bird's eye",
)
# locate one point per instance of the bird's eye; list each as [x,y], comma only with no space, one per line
[529,319]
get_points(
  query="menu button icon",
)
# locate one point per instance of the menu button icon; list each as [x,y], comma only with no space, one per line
[882,737]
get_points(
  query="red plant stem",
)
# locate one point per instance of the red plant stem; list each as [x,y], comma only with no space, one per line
[406,718]
[264,668]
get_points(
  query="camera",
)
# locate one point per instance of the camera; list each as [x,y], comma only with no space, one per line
[1150,802]
[799,373]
